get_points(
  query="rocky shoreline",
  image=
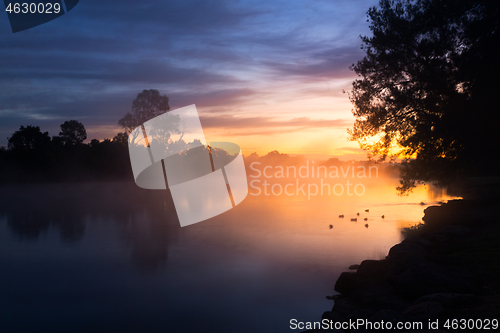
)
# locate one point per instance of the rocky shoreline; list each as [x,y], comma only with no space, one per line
[442,272]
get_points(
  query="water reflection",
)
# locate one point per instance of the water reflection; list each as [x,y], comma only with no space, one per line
[147,223]
[112,257]
[146,220]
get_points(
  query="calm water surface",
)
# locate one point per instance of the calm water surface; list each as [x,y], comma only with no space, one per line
[111,257]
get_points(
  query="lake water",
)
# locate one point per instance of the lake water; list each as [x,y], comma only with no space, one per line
[111,257]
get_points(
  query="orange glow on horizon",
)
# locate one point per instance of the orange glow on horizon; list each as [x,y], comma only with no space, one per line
[295,118]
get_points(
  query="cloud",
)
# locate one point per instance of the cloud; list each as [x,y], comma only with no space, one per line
[215,101]
[90,64]
[355,149]
[328,64]
[267,125]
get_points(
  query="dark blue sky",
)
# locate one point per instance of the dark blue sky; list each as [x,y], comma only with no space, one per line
[221,55]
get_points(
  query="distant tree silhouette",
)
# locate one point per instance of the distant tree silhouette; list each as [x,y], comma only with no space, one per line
[32,156]
[27,156]
[426,87]
[94,143]
[147,105]
[27,139]
[121,138]
[72,132]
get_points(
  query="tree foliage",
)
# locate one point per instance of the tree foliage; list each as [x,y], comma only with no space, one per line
[73,132]
[28,139]
[147,105]
[429,86]
[32,156]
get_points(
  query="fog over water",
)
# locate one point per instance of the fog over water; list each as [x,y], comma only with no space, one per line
[110,256]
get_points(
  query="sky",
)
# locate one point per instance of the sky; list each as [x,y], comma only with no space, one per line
[266,75]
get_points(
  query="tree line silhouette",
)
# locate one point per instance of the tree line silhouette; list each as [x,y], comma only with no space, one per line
[33,156]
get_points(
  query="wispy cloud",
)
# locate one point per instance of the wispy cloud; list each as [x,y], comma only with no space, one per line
[91,63]
[268,125]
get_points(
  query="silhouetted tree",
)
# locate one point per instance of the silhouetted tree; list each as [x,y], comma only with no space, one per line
[28,138]
[426,87]
[121,138]
[147,105]
[33,157]
[94,143]
[73,132]
[28,155]
[57,142]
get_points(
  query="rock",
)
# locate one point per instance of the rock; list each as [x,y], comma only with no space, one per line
[437,238]
[382,296]
[448,299]
[344,306]
[439,216]
[349,282]
[454,230]
[373,268]
[419,240]
[424,309]
[354,267]
[427,278]
[407,249]
[369,274]
[401,263]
